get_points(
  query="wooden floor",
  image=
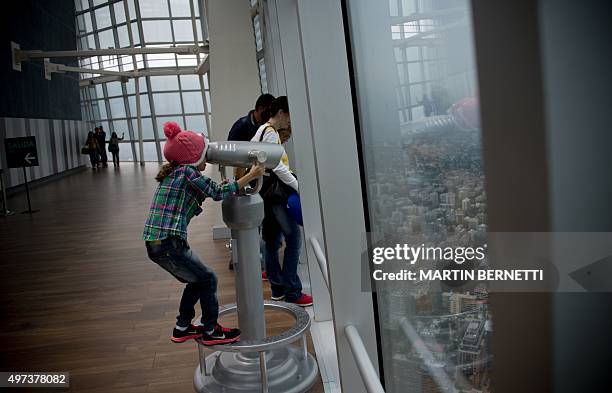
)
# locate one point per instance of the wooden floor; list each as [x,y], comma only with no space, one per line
[78,294]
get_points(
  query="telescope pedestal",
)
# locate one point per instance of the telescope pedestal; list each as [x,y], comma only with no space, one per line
[288,372]
[257,363]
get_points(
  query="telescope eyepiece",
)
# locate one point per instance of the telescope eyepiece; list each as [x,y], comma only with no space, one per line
[258,156]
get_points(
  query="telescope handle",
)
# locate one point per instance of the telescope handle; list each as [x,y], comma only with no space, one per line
[256,189]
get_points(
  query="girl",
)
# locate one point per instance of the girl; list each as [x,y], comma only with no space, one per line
[113,147]
[178,198]
[278,223]
[92,144]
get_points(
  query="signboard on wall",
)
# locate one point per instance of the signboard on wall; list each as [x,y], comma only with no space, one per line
[21,152]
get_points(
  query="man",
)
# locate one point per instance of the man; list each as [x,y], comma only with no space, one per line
[101,138]
[245,127]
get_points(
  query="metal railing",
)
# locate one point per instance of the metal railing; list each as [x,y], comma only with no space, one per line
[321,260]
[438,374]
[367,371]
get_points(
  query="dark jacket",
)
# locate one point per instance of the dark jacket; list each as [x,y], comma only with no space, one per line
[243,129]
[101,137]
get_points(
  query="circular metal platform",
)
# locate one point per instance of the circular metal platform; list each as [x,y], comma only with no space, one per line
[287,371]
[299,329]
[279,368]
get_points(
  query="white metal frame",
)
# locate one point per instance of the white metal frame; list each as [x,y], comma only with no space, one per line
[292,75]
[315,79]
[317,84]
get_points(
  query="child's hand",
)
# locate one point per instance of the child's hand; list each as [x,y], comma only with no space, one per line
[256,171]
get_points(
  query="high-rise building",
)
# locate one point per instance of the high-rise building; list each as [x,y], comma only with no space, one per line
[462,302]
[472,352]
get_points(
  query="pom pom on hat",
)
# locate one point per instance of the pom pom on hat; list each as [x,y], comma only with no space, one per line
[183,147]
[171,129]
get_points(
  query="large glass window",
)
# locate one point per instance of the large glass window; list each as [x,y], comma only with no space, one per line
[181,8]
[193,102]
[114,89]
[145,109]
[117,107]
[156,30]
[103,17]
[258,36]
[164,24]
[183,30]
[415,78]
[119,12]
[147,128]
[154,8]
[167,103]
[190,82]
[196,123]
[163,83]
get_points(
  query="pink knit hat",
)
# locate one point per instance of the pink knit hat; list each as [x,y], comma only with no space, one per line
[184,147]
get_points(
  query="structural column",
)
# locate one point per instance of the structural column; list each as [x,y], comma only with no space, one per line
[340,195]
[234,76]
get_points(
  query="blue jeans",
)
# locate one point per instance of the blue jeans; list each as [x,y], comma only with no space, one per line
[278,224]
[175,256]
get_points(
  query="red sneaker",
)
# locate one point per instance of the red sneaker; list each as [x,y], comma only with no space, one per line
[303,301]
[264,276]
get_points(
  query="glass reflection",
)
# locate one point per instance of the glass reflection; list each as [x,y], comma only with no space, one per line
[419,116]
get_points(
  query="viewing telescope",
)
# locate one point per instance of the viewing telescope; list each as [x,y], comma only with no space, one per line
[244,154]
[257,363]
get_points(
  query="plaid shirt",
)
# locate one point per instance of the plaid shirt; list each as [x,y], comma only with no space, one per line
[178,198]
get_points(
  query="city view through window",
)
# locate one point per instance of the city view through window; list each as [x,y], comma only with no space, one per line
[425,185]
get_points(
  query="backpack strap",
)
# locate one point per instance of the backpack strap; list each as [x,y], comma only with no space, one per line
[264,132]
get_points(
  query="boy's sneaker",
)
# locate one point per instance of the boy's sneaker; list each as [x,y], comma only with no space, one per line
[264,276]
[221,335]
[303,301]
[277,298]
[180,336]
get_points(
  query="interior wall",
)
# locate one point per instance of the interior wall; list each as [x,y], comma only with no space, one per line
[32,105]
[58,143]
[514,151]
[577,63]
[234,75]
[38,25]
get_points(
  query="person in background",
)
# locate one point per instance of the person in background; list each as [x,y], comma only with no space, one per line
[101,137]
[92,144]
[278,223]
[245,127]
[113,147]
[178,199]
[285,135]
[243,130]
